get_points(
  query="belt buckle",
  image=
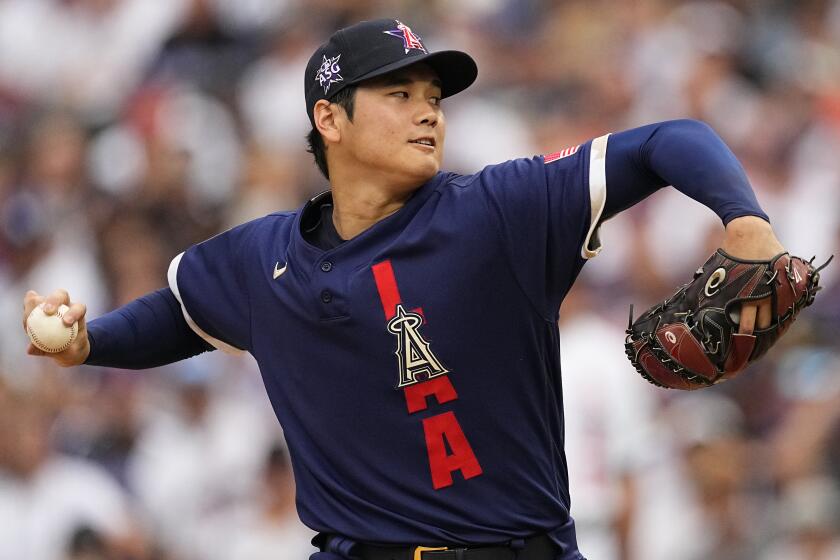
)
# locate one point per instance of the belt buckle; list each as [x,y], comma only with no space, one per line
[418,552]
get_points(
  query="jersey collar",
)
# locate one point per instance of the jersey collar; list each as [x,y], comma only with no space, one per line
[379,233]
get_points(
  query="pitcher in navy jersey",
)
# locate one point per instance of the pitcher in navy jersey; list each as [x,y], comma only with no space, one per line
[405,321]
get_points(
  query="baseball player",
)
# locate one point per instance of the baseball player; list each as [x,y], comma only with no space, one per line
[405,321]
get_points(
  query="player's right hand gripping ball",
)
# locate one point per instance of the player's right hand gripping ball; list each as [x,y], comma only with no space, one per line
[48,332]
[691,340]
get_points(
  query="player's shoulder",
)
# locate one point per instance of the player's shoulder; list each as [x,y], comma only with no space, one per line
[270,225]
[564,165]
[518,167]
[272,231]
[277,220]
[273,220]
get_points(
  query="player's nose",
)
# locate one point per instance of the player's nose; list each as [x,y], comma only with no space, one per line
[427,115]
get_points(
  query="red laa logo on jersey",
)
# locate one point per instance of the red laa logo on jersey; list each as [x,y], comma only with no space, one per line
[548,158]
[422,376]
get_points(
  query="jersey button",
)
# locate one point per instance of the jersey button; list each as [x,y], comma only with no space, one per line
[326,266]
[326,296]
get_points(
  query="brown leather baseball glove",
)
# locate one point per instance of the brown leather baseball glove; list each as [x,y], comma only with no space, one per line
[691,340]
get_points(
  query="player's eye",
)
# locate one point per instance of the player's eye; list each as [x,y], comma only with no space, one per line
[403,94]
[435,100]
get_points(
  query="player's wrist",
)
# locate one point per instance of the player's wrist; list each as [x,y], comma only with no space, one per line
[745,224]
[751,237]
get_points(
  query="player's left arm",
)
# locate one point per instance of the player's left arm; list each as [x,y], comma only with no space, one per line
[691,157]
[148,332]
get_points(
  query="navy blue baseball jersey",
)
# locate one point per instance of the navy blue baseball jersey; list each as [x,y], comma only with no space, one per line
[415,368]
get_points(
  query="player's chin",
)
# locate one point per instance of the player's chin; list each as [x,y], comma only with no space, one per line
[422,166]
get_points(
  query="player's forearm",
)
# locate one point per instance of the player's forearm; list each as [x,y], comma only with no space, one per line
[686,154]
[148,332]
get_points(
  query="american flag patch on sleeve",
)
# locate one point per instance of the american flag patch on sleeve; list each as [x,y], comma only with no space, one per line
[548,158]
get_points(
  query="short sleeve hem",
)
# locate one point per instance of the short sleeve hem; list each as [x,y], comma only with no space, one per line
[597,195]
[172,277]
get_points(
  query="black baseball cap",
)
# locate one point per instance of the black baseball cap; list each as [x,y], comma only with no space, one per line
[373,48]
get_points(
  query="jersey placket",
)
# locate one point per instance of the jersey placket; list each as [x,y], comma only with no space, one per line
[329,287]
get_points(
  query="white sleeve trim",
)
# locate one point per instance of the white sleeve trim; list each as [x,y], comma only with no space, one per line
[597,195]
[172,276]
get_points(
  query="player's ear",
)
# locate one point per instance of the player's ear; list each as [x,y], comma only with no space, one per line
[326,120]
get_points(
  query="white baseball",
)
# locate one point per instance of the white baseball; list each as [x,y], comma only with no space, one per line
[48,332]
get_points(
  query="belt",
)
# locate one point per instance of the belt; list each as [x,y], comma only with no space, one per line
[535,548]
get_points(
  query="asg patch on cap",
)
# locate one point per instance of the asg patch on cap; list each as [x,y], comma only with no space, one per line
[328,73]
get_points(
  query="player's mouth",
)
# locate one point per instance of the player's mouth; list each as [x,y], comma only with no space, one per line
[426,143]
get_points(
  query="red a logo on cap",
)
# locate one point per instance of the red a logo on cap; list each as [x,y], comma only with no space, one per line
[410,40]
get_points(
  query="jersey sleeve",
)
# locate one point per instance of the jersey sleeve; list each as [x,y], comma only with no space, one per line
[548,210]
[208,281]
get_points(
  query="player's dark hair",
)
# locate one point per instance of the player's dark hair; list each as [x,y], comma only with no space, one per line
[345,99]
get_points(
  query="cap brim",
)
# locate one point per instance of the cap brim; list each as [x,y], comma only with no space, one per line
[457,70]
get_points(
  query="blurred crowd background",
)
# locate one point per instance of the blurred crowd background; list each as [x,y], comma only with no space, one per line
[131,129]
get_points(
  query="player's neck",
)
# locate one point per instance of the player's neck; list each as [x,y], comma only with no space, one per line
[357,207]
